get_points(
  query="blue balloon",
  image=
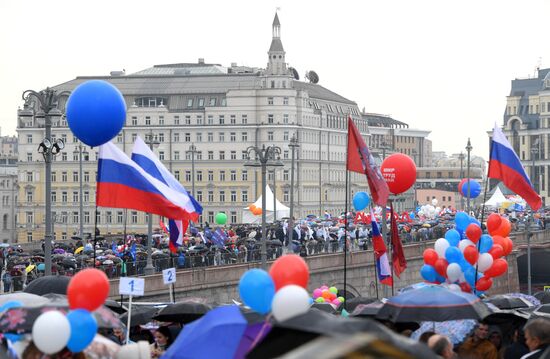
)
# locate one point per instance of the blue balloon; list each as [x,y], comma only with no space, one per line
[464,265]
[311,301]
[41,267]
[453,237]
[83,329]
[360,201]
[485,243]
[439,278]
[469,275]
[257,290]
[10,304]
[412,215]
[462,221]
[428,273]
[96,112]
[453,255]
[475,189]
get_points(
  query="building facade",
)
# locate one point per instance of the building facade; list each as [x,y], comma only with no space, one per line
[8,194]
[526,124]
[221,111]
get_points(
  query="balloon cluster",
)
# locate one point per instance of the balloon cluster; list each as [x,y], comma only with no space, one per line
[430,211]
[281,291]
[324,294]
[52,331]
[466,251]
[255,210]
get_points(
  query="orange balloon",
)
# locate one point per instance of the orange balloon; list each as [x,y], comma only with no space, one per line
[257,211]
[504,228]
[509,246]
[251,208]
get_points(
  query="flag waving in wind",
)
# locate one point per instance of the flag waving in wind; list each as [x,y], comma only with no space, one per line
[506,166]
[398,255]
[382,265]
[360,160]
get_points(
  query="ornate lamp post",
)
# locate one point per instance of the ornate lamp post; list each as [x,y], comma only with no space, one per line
[152,141]
[48,100]
[263,157]
[468,149]
[81,152]
[461,158]
[293,145]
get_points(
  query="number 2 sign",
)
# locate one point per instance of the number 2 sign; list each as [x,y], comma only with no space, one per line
[169,275]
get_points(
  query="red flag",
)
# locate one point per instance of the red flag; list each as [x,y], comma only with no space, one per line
[360,160]
[398,255]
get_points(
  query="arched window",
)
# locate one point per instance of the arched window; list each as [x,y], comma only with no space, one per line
[5,222]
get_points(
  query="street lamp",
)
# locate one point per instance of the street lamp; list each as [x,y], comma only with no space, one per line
[48,100]
[414,153]
[534,152]
[468,149]
[81,152]
[192,150]
[152,141]
[293,145]
[263,157]
[461,158]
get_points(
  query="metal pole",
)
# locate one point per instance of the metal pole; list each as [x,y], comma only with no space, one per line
[468,149]
[48,203]
[293,145]
[461,157]
[528,226]
[193,149]
[274,196]
[264,245]
[81,215]
[149,264]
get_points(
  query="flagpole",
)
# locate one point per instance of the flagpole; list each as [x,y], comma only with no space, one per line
[391,249]
[374,256]
[346,240]
[95,229]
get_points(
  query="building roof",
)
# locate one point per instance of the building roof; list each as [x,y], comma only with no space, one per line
[319,92]
[377,120]
[276,45]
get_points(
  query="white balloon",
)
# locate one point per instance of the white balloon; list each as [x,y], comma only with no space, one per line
[289,301]
[434,201]
[455,287]
[51,332]
[465,243]
[441,246]
[484,262]
[453,272]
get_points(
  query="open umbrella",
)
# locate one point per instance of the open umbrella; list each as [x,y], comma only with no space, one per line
[504,301]
[455,330]
[433,303]
[182,312]
[23,298]
[325,307]
[543,296]
[216,335]
[48,284]
[367,310]
[352,303]
[141,314]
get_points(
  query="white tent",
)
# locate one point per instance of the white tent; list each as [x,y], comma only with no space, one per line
[282,210]
[498,200]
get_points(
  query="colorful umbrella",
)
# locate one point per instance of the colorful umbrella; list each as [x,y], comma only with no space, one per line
[455,330]
[78,250]
[29,268]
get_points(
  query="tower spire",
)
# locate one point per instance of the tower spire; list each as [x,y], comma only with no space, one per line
[276,55]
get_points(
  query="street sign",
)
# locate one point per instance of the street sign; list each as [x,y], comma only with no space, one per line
[131,286]
[169,275]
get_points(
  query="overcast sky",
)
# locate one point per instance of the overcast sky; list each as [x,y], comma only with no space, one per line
[437,65]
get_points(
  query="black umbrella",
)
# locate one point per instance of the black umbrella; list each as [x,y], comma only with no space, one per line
[352,303]
[115,306]
[182,312]
[141,314]
[543,296]
[48,284]
[325,307]
[367,310]
[508,302]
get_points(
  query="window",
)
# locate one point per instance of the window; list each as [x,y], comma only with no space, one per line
[244,136]
[210,216]
[286,196]
[199,120]
[54,176]
[161,155]
[134,136]
[176,155]
[187,120]
[176,120]
[233,155]
[210,119]
[54,196]
[30,217]
[285,100]
[244,119]
[63,176]
[270,118]
[29,138]
[232,137]
[189,102]
[86,176]
[119,218]
[285,175]
[244,155]
[221,136]
[244,175]
[285,136]
[210,196]
[270,135]
[87,217]
[199,196]
[222,155]
[210,176]
[176,137]
[270,100]
[150,101]
[75,176]
[222,196]
[64,197]
[75,197]
[177,175]
[161,137]
[244,196]
[187,137]
[161,120]
[233,217]
[29,236]
[134,121]
[134,217]
[222,176]
[210,137]
[29,156]
[199,136]
[147,120]
[108,217]
[118,138]
[272,84]
[223,102]
[75,217]
[29,176]
[210,155]
[188,176]
[222,119]
[98,217]
[64,156]
[199,155]
[212,101]
[86,196]
[233,119]
[201,102]
[233,196]
[199,176]
[233,175]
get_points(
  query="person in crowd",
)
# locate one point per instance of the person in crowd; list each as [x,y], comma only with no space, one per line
[425,336]
[7,280]
[163,339]
[517,348]
[478,346]
[495,337]
[537,338]
[441,345]
[118,335]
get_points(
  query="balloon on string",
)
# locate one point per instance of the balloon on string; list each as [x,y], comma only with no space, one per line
[453,272]
[440,266]
[453,237]
[493,222]
[221,218]
[360,201]
[484,262]
[83,329]
[504,229]
[289,269]
[496,251]
[88,289]
[257,211]
[95,112]
[509,246]
[461,183]
[51,332]
[453,255]
[462,221]
[430,256]
[290,301]
[465,243]
[441,246]
[257,289]
[499,267]
[428,273]
[399,172]
[484,283]
[486,243]
[473,232]
[475,189]
[471,254]
[251,208]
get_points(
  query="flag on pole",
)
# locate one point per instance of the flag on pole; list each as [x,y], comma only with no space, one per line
[505,165]
[360,160]
[382,265]
[398,255]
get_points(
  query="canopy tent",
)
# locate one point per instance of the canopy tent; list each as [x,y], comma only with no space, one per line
[498,200]
[282,210]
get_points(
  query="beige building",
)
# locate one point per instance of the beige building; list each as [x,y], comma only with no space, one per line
[222,111]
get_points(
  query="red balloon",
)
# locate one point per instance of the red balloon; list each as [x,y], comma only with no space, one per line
[465,287]
[430,256]
[471,254]
[509,246]
[473,232]
[499,240]
[504,228]
[493,222]
[499,267]
[496,251]
[484,283]
[441,266]
[289,269]
[88,289]
[399,171]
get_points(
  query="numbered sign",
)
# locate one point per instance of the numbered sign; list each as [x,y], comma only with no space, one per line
[169,275]
[131,286]
[547,288]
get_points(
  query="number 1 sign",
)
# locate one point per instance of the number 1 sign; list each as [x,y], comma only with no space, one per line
[131,286]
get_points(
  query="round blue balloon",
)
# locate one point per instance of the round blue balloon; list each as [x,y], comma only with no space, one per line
[83,329]
[462,221]
[257,290]
[485,243]
[428,273]
[96,112]
[470,275]
[360,201]
[453,255]
[475,189]
[412,215]
[453,237]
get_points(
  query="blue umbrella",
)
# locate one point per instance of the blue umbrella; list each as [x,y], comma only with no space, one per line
[455,330]
[216,335]
[433,303]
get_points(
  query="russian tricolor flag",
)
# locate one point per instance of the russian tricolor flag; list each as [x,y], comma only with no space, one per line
[506,166]
[382,264]
[121,183]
